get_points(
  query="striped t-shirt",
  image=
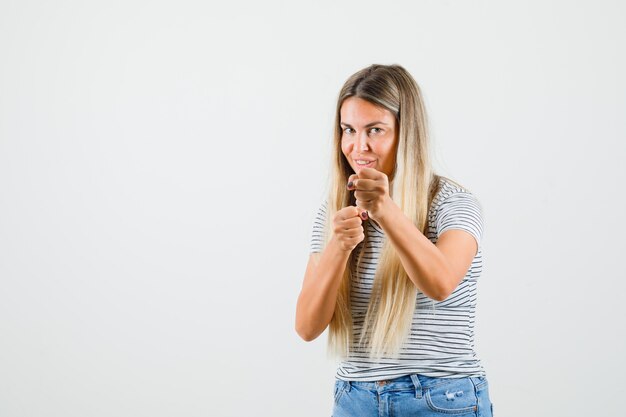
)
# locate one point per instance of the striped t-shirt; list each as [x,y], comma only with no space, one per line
[441,342]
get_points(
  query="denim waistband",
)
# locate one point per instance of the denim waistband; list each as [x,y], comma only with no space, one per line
[415,382]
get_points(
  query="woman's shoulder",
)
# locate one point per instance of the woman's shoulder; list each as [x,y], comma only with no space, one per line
[456,207]
[446,188]
[323,207]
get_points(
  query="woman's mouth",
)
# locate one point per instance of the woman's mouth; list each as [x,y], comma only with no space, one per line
[364,163]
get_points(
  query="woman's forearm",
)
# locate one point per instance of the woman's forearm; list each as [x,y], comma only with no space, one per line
[317,299]
[423,261]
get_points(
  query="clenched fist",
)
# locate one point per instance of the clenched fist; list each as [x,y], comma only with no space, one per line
[348,227]
[371,191]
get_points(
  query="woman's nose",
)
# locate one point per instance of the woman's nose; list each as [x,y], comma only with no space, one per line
[362,142]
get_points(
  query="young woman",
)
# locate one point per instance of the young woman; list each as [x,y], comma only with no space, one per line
[395,258]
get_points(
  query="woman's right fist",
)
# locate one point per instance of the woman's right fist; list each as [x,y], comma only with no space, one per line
[348,227]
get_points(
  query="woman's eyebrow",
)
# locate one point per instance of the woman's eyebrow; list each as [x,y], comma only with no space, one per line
[367,125]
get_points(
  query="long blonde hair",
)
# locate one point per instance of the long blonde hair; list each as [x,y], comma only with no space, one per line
[391,307]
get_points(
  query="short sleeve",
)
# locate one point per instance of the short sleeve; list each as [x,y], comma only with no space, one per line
[317,233]
[461,210]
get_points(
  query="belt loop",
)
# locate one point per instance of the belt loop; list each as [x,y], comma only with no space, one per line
[418,386]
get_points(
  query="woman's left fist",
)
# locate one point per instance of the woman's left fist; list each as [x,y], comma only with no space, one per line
[371,190]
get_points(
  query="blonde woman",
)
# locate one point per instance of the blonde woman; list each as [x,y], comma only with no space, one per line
[395,258]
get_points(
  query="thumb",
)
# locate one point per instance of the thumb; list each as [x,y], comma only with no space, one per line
[362,213]
[351,178]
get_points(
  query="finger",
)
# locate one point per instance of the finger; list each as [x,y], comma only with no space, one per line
[356,233]
[351,223]
[348,213]
[366,196]
[368,172]
[362,184]
[362,213]
[352,181]
[356,213]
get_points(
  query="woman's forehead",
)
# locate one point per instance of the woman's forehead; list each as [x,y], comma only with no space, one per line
[355,110]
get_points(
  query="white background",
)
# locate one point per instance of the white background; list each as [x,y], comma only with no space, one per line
[161,164]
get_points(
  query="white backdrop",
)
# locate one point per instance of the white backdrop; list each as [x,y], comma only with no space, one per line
[161,163]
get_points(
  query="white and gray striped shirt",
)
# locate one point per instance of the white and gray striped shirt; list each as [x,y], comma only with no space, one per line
[441,343]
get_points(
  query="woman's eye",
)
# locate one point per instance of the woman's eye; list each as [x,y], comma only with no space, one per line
[376,129]
[346,130]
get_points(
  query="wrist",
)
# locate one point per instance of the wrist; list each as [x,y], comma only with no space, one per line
[337,246]
[386,211]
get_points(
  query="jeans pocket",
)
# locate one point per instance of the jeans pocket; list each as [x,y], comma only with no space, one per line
[340,387]
[480,382]
[452,396]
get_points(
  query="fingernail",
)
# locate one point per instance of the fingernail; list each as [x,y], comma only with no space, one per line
[350,184]
[364,215]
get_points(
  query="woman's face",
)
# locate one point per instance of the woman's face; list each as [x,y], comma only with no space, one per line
[369,133]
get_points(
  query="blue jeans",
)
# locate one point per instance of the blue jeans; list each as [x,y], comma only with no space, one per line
[413,395]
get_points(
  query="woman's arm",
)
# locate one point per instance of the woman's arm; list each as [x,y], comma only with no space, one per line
[317,299]
[436,269]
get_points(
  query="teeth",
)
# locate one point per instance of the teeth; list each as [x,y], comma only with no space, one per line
[362,162]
